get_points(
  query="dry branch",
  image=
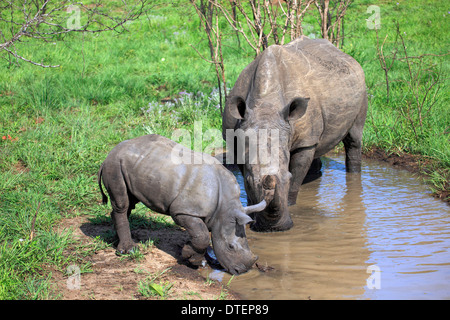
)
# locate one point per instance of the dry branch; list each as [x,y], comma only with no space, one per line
[332,15]
[46,19]
[207,14]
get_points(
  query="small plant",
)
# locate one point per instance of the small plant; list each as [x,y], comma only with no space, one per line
[138,252]
[148,245]
[209,281]
[150,288]
[439,183]
[224,291]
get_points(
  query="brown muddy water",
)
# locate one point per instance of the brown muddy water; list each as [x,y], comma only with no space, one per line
[378,235]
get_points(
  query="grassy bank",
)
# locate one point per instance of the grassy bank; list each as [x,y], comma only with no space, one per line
[415,118]
[59,124]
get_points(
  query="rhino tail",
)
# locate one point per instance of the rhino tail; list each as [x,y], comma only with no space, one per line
[99,180]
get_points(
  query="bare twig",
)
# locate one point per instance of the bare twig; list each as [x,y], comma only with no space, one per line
[332,15]
[424,86]
[44,20]
[30,61]
[201,56]
[265,20]
[383,63]
[206,15]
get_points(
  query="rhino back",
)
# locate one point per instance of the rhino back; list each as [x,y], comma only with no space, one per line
[336,85]
[162,184]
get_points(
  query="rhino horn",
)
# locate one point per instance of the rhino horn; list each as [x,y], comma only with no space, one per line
[243,218]
[255,208]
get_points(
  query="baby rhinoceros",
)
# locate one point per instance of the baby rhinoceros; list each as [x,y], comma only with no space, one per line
[202,198]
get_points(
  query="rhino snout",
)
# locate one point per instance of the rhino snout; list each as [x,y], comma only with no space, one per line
[243,267]
[269,182]
[235,256]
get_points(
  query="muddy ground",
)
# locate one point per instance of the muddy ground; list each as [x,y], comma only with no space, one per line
[117,278]
[114,278]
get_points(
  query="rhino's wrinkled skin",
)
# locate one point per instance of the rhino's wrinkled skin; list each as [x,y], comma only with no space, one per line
[199,197]
[315,96]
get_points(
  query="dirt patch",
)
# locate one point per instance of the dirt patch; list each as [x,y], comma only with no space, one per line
[20,167]
[413,163]
[117,278]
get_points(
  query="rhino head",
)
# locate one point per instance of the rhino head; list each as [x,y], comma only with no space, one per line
[266,180]
[229,239]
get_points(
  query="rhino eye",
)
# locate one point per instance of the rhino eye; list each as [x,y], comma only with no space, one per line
[231,246]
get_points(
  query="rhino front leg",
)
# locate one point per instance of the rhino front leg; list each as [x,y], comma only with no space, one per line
[194,250]
[299,165]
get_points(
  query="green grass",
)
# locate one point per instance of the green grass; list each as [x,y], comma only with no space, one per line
[394,126]
[62,122]
[151,288]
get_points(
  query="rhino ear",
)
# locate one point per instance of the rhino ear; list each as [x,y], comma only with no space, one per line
[237,107]
[243,218]
[296,109]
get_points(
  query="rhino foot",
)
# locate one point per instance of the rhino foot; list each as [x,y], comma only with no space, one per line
[292,198]
[125,247]
[194,257]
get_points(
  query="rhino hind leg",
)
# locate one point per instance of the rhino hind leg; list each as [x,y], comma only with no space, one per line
[122,204]
[194,250]
[353,141]
[352,147]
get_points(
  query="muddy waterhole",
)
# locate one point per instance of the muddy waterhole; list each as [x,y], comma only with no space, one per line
[378,235]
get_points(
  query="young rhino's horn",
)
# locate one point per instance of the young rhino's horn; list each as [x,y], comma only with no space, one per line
[243,218]
[256,207]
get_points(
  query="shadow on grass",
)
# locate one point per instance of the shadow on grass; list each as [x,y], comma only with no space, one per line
[164,235]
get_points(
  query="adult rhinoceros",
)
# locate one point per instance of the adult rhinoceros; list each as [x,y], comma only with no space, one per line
[313,96]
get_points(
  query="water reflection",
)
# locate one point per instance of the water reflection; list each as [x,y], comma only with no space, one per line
[344,223]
